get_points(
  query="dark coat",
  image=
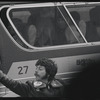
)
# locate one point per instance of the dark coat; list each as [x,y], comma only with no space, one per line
[29,89]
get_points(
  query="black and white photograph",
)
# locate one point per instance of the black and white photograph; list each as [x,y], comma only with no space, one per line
[50,49]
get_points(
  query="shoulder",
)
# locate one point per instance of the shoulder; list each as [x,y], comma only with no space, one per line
[32,28]
[57,83]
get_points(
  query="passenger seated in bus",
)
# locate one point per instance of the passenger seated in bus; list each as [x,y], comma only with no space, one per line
[44,85]
[45,29]
[93,30]
[19,26]
[31,30]
[69,33]
[60,30]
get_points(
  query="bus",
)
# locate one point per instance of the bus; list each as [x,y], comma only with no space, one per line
[66,32]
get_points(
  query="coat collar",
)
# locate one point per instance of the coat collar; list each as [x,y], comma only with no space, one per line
[54,83]
[39,84]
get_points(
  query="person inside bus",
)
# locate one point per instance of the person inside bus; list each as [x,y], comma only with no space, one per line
[81,24]
[45,28]
[19,26]
[60,38]
[44,85]
[93,26]
[31,31]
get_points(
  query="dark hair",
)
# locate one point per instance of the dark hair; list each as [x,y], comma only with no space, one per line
[95,16]
[50,66]
[76,16]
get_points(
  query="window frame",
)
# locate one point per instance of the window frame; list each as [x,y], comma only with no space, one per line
[85,4]
[41,5]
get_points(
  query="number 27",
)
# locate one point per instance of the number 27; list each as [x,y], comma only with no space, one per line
[22,70]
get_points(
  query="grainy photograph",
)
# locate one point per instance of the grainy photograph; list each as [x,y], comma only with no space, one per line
[50,49]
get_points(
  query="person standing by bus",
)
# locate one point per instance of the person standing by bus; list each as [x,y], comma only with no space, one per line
[44,85]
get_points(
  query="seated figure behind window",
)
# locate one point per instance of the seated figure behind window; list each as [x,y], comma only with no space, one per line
[93,26]
[60,30]
[31,31]
[68,32]
[45,29]
[19,26]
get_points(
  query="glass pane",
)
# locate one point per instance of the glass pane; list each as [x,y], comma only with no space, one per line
[89,23]
[71,32]
[45,26]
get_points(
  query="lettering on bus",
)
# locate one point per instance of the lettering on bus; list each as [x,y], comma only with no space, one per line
[22,70]
[84,62]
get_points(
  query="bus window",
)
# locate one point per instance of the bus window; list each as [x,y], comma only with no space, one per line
[46,26]
[90,21]
[72,33]
[10,28]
